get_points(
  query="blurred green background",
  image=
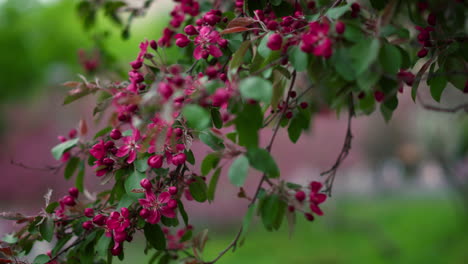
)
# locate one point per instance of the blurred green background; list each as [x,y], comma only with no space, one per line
[39,46]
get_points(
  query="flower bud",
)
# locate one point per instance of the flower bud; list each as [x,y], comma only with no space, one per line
[146,184]
[144,213]
[99,220]
[153,44]
[116,250]
[300,196]
[69,200]
[88,225]
[379,96]
[172,204]
[155,161]
[309,217]
[172,190]
[304,105]
[340,27]
[190,30]
[179,159]
[275,41]
[73,191]
[89,212]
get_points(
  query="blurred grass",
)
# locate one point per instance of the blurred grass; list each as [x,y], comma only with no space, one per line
[372,231]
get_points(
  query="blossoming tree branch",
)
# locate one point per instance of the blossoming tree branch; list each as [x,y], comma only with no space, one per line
[249,66]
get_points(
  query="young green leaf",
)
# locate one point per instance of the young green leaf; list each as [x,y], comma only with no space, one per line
[299,59]
[261,160]
[198,190]
[155,236]
[61,148]
[437,84]
[209,162]
[238,171]
[71,167]
[213,184]
[197,117]
[256,88]
[47,229]
[133,182]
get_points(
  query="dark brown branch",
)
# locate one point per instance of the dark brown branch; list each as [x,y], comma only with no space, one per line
[264,177]
[331,173]
[78,241]
[461,107]
[46,168]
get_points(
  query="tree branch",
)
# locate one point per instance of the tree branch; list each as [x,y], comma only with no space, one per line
[331,173]
[264,177]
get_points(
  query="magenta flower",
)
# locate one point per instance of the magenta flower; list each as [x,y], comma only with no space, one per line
[130,147]
[99,150]
[316,198]
[154,207]
[118,221]
[316,41]
[207,43]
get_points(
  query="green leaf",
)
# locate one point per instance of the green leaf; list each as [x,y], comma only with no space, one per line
[281,10]
[197,117]
[390,58]
[216,117]
[256,88]
[341,60]
[364,53]
[295,127]
[379,4]
[211,140]
[247,220]
[126,200]
[71,167]
[299,59]
[261,160]
[102,246]
[238,171]
[248,122]
[58,150]
[103,132]
[133,182]
[209,162]
[51,207]
[141,165]
[47,229]
[437,84]
[61,243]
[213,183]
[272,211]
[238,56]
[41,259]
[82,93]
[198,190]
[79,181]
[337,12]
[263,49]
[190,157]
[181,208]
[155,236]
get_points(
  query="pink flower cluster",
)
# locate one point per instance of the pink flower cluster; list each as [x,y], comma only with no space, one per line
[315,199]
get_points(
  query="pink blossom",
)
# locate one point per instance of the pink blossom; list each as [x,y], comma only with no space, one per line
[316,198]
[118,221]
[130,147]
[99,150]
[207,43]
[316,41]
[156,206]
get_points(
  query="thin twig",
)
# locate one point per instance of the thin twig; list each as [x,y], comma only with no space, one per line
[264,177]
[331,173]
[461,107]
